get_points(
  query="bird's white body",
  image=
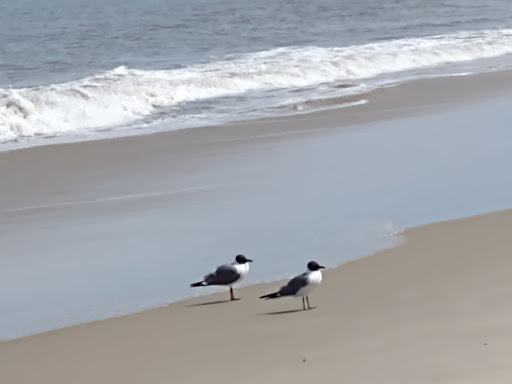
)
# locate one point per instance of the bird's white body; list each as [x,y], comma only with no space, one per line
[314,278]
[242,269]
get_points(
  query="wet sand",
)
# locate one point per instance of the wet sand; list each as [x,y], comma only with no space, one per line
[40,175]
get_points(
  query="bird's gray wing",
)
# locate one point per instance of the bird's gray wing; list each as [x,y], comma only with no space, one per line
[224,275]
[294,285]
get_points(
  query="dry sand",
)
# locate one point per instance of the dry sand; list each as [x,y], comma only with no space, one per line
[433,310]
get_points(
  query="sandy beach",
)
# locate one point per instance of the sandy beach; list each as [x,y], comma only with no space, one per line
[144,145]
[97,229]
[435,309]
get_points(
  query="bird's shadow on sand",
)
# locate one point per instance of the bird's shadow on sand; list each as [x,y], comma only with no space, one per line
[209,303]
[286,312]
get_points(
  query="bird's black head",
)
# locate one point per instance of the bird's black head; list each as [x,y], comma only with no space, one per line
[241,259]
[314,266]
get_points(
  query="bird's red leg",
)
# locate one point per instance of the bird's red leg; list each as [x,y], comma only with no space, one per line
[233,298]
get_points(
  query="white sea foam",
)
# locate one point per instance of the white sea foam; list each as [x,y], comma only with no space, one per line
[121,97]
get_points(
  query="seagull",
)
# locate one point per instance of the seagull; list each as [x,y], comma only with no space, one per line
[227,274]
[301,285]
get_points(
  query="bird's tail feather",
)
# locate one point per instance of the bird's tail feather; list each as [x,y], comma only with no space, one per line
[270,296]
[199,284]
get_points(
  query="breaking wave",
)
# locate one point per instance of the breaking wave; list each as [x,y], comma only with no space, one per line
[123,97]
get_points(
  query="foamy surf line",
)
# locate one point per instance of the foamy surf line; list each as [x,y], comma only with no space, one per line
[283,80]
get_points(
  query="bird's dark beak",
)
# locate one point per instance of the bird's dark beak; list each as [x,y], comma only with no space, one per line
[249,260]
[321,267]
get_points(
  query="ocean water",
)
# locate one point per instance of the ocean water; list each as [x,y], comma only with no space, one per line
[81,70]
[84,70]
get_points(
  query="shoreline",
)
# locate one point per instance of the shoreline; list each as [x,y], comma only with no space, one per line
[382,103]
[431,307]
[415,98]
